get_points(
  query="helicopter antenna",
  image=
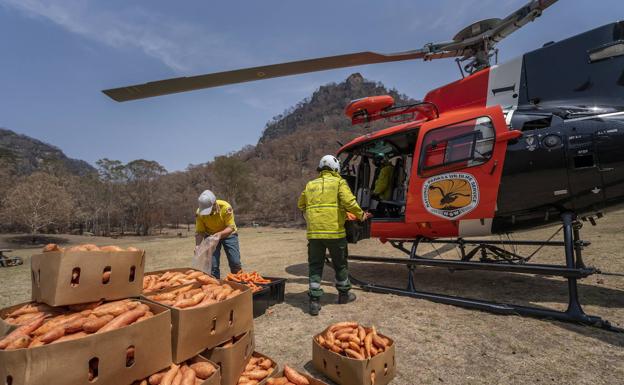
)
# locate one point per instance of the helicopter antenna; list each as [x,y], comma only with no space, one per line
[475,45]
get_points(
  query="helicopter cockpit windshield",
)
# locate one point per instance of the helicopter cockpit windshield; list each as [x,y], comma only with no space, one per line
[378,173]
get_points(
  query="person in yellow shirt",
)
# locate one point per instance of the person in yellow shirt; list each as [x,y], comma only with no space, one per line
[216,217]
[383,184]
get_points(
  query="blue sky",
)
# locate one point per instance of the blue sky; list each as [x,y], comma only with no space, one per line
[58,55]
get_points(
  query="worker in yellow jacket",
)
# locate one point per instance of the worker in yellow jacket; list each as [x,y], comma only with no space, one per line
[325,203]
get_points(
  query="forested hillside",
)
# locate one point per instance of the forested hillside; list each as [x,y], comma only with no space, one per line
[262,182]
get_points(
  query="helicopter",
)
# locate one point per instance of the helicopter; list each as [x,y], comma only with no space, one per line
[518,145]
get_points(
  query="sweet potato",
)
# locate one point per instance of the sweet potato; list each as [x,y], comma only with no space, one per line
[111,248]
[70,337]
[277,381]
[124,319]
[21,342]
[265,364]
[51,247]
[353,354]
[156,378]
[93,325]
[203,370]
[188,378]
[341,325]
[130,248]
[206,279]
[23,330]
[35,342]
[368,342]
[170,375]
[186,302]
[74,325]
[148,314]
[379,342]
[256,374]
[294,377]
[53,334]
[28,308]
[177,380]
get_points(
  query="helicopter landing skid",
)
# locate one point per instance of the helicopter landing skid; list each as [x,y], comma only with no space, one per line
[574,269]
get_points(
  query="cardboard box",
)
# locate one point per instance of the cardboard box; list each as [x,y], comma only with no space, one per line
[70,362]
[232,360]
[313,381]
[215,379]
[348,371]
[195,330]
[74,277]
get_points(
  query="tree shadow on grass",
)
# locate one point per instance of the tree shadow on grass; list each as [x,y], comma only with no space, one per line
[35,240]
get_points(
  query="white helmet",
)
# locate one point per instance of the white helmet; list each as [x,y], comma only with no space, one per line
[331,162]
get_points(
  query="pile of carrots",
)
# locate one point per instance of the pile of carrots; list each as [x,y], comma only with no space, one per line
[40,326]
[250,279]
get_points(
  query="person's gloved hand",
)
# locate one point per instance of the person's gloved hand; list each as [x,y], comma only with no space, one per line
[366,216]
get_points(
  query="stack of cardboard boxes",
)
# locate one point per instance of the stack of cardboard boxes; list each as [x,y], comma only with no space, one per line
[220,333]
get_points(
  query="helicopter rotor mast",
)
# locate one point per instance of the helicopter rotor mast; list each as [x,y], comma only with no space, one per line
[474,43]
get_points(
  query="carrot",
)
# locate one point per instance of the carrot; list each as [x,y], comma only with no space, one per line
[124,319]
[294,377]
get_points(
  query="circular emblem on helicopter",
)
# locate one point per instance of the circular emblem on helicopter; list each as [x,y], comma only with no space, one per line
[450,195]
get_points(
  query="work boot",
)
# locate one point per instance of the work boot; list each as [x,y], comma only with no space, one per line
[315,306]
[345,297]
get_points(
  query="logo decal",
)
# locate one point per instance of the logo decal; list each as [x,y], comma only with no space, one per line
[450,195]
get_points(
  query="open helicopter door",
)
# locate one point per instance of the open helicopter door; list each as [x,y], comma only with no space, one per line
[355,229]
[457,171]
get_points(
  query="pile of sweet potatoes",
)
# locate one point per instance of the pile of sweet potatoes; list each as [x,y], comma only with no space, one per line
[353,340]
[189,297]
[154,282]
[86,247]
[291,377]
[186,373]
[257,369]
[47,326]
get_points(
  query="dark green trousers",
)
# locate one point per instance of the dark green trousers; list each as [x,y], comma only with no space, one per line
[316,260]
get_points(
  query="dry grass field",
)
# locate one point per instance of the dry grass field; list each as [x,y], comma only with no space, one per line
[436,344]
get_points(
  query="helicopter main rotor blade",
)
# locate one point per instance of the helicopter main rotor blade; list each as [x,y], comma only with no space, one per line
[476,40]
[182,84]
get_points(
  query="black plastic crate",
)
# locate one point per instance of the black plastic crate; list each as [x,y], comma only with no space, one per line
[261,301]
[277,288]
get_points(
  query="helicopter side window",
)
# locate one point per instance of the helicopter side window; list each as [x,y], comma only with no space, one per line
[464,144]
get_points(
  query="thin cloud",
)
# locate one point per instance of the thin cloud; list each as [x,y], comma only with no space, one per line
[183,47]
